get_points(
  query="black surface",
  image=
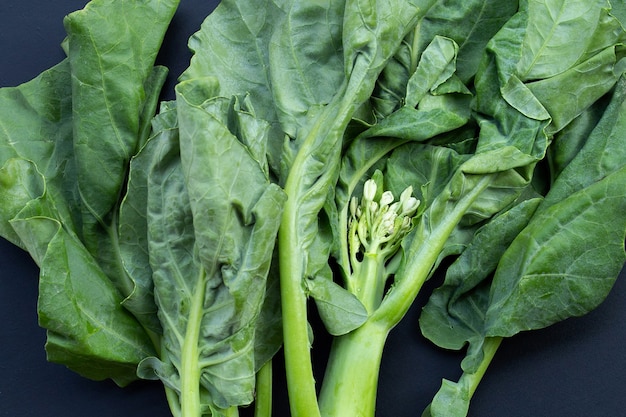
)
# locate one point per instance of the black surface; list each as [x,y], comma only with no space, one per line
[576,368]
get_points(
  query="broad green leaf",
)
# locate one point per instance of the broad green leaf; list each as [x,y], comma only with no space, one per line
[436,65]
[213,218]
[548,49]
[602,153]
[36,126]
[372,32]
[564,263]
[455,313]
[233,45]
[568,142]
[435,68]
[36,119]
[575,266]
[590,80]
[471,24]
[417,125]
[111,65]
[306,66]
[88,330]
[133,223]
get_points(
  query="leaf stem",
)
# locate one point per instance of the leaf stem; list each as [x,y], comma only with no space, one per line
[370,281]
[190,369]
[263,402]
[490,347]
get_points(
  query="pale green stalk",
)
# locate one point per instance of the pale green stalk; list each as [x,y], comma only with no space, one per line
[327,131]
[351,379]
[190,368]
[263,400]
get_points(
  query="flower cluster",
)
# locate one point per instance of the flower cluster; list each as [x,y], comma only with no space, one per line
[378,224]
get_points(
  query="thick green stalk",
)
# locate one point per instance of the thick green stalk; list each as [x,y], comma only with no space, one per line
[298,369]
[293,257]
[351,380]
[313,172]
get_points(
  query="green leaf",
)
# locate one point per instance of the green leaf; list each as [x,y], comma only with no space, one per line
[417,125]
[573,249]
[213,217]
[471,24]
[548,49]
[372,32]
[437,64]
[340,310]
[602,153]
[455,312]
[111,64]
[591,80]
[571,267]
[306,66]
[36,126]
[233,46]
[87,328]
[568,142]
[133,223]
[564,263]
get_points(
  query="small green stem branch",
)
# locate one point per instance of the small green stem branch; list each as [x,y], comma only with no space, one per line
[351,380]
[263,401]
[173,401]
[471,381]
[369,284]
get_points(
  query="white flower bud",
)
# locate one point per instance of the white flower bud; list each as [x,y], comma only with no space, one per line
[409,203]
[369,190]
[388,222]
[410,206]
[408,191]
[386,198]
[354,207]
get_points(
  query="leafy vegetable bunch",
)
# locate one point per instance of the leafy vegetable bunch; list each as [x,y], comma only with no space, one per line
[335,153]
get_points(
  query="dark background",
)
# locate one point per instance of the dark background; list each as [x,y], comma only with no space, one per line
[576,368]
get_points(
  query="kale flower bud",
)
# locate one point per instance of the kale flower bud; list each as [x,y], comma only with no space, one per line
[380,224]
[369,190]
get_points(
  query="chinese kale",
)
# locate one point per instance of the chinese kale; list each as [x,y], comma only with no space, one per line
[334,152]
